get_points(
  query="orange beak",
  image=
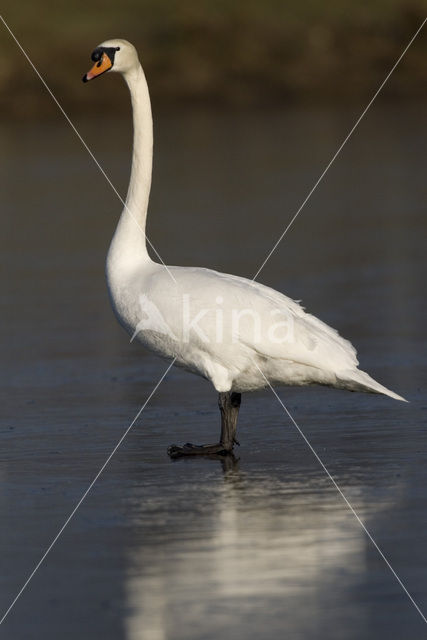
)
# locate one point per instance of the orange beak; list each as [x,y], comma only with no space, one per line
[98,68]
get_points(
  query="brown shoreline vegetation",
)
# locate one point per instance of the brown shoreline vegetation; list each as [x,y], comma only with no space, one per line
[216,52]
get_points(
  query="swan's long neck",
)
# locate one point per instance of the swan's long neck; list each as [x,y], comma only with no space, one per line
[128,245]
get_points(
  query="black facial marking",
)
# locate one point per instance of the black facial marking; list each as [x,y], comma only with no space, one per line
[110,51]
[97,54]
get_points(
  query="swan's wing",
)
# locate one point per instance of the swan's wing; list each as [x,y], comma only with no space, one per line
[311,342]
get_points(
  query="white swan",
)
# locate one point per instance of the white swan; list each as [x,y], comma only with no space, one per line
[232,331]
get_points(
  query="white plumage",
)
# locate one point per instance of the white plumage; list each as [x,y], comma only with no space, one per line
[236,334]
[314,352]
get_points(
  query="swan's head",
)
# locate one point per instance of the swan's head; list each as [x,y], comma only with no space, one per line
[112,55]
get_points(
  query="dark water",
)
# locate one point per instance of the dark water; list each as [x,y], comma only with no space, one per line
[189,550]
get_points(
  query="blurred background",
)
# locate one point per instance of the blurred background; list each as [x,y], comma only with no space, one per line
[250,100]
[223,52]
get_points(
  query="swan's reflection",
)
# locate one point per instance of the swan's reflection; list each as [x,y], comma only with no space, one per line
[251,556]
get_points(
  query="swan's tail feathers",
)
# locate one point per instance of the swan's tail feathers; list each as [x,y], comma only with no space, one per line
[356,380]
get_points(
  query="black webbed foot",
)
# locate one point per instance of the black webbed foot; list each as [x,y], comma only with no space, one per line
[189,449]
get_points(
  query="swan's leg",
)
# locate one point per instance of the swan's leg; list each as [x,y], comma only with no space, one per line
[229,404]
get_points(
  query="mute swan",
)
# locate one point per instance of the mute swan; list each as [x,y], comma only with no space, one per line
[236,333]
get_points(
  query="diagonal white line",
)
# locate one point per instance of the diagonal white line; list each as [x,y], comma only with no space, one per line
[42,80]
[347,502]
[340,148]
[42,559]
